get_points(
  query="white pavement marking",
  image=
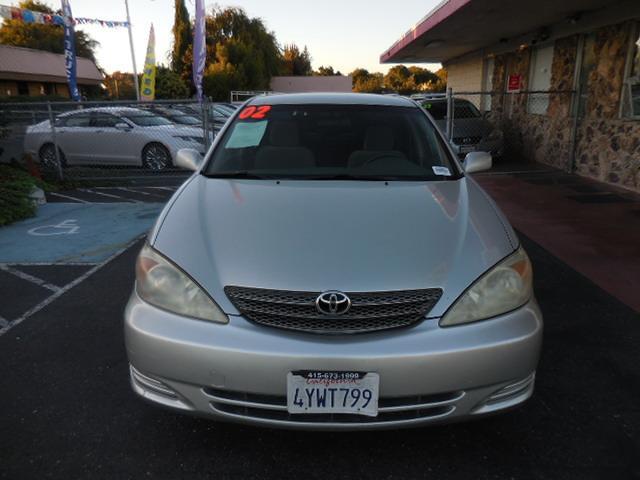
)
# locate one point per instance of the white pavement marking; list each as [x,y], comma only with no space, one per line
[67,227]
[125,189]
[51,264]
[68,197]
[171,189]
[93,192]
[67,287]
[29,278]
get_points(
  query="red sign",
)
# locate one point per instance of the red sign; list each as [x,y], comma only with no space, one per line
[257,113]
[514,83]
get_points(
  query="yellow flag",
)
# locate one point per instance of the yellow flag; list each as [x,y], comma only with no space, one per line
[148,82]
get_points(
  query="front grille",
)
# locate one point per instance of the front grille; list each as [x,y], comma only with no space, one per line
[468,140]
[274,407]
[370,311]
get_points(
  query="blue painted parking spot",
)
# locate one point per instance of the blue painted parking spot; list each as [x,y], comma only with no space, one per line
[71,232]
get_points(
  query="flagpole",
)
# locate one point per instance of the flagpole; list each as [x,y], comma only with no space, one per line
[133,55]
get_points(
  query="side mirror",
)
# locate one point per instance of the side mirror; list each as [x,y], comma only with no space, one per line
[188,158]
[123,126]
[477,162]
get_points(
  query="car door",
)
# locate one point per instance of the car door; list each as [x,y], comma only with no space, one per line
[73,135]
[113,145]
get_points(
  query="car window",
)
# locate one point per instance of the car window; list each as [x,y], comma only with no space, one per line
[462,109]
[438,110]
[146,119]
[105,120]
[81,119]
[328,141]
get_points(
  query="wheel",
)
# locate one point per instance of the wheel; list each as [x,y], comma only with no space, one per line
[155,156]
[47,156]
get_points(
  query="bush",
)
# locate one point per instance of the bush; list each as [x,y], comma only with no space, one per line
[15,186]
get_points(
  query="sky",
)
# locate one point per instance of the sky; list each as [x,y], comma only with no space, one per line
[344,34]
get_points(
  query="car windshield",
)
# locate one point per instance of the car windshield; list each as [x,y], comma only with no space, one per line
[461,109]
[146,119]
[182,118]
[360,142]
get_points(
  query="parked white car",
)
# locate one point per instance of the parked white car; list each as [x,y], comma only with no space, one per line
[112,136]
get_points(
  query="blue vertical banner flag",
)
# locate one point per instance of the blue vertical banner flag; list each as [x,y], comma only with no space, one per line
[70,51]
[199,48]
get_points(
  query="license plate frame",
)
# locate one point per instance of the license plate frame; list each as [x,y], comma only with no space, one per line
[322,391]
[467,148]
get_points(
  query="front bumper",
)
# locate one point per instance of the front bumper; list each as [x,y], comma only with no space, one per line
[494,147]
[237,372]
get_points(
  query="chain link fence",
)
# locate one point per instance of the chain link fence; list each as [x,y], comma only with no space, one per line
[521,126]
[111,139]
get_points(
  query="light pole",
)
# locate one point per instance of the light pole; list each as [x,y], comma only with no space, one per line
[133,55]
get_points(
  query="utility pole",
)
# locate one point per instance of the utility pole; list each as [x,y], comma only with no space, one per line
[133,55]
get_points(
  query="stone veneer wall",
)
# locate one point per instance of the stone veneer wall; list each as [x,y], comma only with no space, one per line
[607,148]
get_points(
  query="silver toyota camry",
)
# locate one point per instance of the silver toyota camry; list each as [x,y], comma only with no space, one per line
[331,265]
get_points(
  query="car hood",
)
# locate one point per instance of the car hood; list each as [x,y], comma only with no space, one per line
[333,235]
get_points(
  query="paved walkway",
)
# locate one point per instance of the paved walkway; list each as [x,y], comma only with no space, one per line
[591,226]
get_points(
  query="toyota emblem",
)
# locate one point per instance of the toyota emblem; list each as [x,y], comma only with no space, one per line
[333,303]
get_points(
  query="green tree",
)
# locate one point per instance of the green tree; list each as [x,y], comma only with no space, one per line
[43,37]
[295,62]
[399,79]
[120,86]
[365,82]
[326,71]
[182,36]
[169,85]
[241,54]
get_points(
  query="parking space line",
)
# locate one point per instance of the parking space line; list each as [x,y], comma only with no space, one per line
[171,189]
[93,192]
[68,197]
[29,278]
[50,264]
[125,189]
[67,287]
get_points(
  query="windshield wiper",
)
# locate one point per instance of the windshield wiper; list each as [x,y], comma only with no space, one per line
[236,174]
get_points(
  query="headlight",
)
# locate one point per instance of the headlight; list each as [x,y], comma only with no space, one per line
[505,287]
[161,283]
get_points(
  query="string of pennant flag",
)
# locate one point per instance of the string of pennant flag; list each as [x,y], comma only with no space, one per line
[29,16]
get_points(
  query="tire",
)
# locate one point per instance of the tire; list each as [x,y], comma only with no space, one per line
[156,157]
[47,157]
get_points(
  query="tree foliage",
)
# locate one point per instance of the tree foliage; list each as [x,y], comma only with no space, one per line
[120,86]
[182,36]
[326,71]
[43,37]
[295,62]
[365,82]
[399,79]
[169,85]
[241,54]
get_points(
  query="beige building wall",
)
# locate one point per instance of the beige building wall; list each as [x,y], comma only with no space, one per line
[465,74]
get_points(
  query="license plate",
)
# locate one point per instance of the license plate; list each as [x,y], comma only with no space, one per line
[467,148]
[333,392]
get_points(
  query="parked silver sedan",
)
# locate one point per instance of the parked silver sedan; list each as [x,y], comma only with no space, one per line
[330,265]
[112,136]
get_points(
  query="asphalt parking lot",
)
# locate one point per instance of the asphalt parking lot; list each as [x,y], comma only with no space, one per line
[68,412]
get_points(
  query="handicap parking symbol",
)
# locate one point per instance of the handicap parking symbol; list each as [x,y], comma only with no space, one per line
[67,227]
